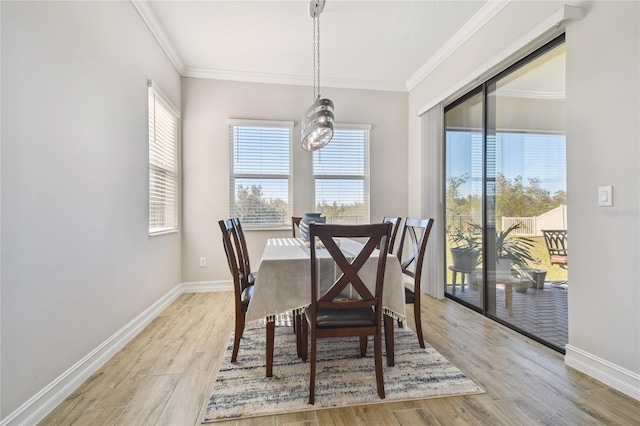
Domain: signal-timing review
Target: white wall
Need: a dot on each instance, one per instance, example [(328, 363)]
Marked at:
[(603, 101), (77, 263), (208, 104), (603, 140)]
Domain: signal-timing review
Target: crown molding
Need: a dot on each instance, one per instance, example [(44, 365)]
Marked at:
[(542, 33), (295, 80), (476, 22), (488, 11), (150, 18)]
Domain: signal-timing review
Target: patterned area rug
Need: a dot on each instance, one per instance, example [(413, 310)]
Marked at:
[(342, 379)]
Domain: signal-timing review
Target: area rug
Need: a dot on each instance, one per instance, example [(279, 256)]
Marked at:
[(241, 389)]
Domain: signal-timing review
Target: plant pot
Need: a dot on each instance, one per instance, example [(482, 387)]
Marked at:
[(520, 288), (503, 268), (306, 220), (464, 259), (537, 278), (476, 279)]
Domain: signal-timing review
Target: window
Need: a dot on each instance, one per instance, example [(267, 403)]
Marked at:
[(341, 176), (260, 172), (163, 163)]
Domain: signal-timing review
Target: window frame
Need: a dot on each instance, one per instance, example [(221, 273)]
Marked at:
[(171, 223), (233, 176), (365, 178)]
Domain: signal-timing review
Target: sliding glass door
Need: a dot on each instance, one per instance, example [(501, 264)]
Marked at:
[(464, 196), (505, 184)]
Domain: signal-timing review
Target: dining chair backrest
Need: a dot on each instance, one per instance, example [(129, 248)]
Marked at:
[(295, 224), (231, 246), (349, 272), (244, 250), (418, 231), (396, 222)]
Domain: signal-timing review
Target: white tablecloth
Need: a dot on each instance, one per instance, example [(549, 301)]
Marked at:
[(284, 278)]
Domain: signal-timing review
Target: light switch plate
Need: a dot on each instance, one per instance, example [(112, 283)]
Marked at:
[(605, 196)]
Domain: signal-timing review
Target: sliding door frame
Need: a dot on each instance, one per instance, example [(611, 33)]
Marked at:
[(488, 250)]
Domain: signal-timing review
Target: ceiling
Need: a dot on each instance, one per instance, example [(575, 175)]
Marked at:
[(381, 45)]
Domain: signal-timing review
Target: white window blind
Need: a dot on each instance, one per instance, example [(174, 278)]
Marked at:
[(260, 172), (341, 176), (163, 163)]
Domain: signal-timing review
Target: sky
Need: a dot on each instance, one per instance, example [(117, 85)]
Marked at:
[(529, 155)]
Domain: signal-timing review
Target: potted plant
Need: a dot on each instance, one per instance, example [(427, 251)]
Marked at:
[(465, 243), (513, 251)]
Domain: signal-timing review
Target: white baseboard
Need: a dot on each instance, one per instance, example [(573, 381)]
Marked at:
[(207, 286), (42, 403), (600, 369)]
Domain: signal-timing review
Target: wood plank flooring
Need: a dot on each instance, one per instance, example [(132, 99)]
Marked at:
[(163, 377)]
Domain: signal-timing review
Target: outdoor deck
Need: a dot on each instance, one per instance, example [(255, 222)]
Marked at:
[(540, 312)]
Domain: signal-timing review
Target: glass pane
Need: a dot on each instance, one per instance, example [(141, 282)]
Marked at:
[(526, 190), (463, 189), (341, 200), (262, 201)]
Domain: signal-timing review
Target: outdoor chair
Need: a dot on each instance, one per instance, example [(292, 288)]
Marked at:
[(556, 241)]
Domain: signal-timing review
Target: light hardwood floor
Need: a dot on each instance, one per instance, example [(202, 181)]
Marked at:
[(163, 377)]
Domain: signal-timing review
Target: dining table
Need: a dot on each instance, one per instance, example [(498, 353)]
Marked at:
[(283, 284)]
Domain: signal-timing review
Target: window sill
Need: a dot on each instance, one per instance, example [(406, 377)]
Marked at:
[(267, 228), (163, 232)]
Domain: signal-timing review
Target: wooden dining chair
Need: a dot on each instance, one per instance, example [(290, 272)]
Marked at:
[(295, 224), (418, 231), (396, 222), (242, 290), (244, 252), (332, 315)]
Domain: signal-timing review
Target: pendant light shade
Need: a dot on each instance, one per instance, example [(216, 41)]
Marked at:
[(317, 123)]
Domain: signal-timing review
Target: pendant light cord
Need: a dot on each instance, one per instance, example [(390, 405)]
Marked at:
[(316, 56)]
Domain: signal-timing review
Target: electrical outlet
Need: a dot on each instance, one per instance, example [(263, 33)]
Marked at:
[(203, 262)]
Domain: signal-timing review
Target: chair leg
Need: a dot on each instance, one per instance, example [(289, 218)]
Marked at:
[(237, 335), (271, 328), (418, 321), (377, 349), (363, 346), (312, 374), (302, 337), (388, 340), (297, 321)]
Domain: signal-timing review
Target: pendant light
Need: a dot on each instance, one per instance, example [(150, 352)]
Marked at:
[(317, 123)]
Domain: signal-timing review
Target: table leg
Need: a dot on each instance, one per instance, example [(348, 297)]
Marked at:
[(508, 298), (389, 340), (271, 329)]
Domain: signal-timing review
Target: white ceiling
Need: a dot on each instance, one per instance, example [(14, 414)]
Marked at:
[(383, 44)]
